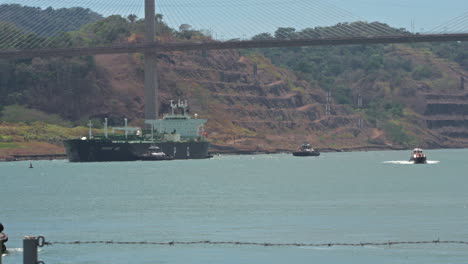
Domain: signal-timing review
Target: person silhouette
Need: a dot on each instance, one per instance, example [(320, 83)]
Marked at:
[(3, 239)]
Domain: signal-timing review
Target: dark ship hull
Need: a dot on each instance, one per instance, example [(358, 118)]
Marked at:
[(418, 160), (306, 153), (107, 150), (155, 158)]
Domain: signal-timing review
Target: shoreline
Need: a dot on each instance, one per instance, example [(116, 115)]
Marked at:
[(24, 157)]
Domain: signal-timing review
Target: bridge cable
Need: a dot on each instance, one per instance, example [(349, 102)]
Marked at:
[(123, 9), (38, 28), (13, 35), (225, 16), (441, 28), (58, 28), (63, 36), (370, 26)]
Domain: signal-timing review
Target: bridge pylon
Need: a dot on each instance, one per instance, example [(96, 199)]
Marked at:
[(151, 74)]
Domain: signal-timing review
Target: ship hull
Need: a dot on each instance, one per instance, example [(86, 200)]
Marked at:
[(105, 150), (306, 153), (419, 160)]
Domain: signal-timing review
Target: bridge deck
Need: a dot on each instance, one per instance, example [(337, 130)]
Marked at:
[(184, 46)]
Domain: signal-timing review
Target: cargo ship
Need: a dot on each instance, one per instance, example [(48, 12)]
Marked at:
[(177, 134)]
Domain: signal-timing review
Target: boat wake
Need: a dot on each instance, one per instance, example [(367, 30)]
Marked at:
[(406, 162), (12, 251)]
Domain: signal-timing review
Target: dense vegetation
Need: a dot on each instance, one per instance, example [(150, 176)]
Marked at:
[(387, 80), (454, 51), (52, 20), (65, 86)]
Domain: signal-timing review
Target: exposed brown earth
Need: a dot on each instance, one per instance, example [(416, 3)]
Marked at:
[(270, 109), (31, 149)]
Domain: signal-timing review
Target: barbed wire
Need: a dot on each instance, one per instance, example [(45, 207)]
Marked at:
[(240, 243)]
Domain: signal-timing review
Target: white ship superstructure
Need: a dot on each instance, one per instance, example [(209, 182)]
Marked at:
[(179, 124)]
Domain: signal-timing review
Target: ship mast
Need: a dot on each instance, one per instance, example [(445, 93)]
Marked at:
[(90, 131), (183, 105)]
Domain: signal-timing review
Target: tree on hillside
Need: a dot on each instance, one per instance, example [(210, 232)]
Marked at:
[(17, 37), (106, 31), (185, 27), (158, 18), (132, 18), (162, 29), (51, 21), (186, 32), (263, 36), (285, 33)]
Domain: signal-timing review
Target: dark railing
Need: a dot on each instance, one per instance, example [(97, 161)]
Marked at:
[(265, 244), (31, 244)]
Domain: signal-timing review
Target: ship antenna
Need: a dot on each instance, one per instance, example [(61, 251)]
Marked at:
[(173, 106), (105, 127), (184, 105), (126, 129), (90, 132)]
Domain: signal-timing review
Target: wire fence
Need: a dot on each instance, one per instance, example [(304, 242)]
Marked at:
[(265, 244)]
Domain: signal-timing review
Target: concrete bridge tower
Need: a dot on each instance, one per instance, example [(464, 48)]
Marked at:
[(151, 75)]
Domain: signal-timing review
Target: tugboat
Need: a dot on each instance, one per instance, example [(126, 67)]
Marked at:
[(418, 156), (154, 153), (306, 150)]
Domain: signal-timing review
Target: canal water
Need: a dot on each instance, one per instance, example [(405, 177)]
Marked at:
[(335, 198)]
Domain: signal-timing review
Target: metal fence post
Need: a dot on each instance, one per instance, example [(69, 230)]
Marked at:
[(30, 244)]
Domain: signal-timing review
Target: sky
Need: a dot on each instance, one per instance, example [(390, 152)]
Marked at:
[(227, 19), (426, 14)]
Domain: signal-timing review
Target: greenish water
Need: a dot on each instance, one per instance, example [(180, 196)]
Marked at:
[(337, 197)]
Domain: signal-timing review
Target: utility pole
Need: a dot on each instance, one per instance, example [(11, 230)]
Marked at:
[(255, 71), (328, 107), (151, 74)]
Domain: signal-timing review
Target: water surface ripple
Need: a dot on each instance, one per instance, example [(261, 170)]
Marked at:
[(334, 198)]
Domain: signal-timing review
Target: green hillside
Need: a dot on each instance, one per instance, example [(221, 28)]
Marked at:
[(262, 99)]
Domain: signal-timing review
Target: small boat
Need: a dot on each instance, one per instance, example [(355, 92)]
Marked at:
[(306, 150), (418, 156), (154, 153), (3, 240)]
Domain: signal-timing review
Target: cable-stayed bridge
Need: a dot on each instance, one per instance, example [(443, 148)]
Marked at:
[(230, 23), (233, 25)]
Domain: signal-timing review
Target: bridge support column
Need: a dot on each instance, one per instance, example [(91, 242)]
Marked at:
[(151, 76), (151, 87)]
